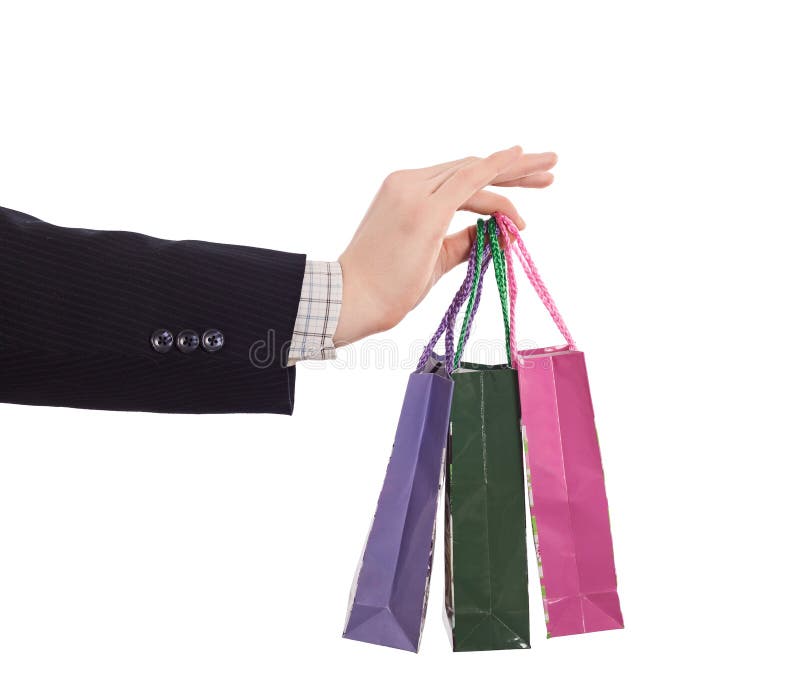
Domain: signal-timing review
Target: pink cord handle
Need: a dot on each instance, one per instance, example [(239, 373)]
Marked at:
[(512, 292), (509, 231)]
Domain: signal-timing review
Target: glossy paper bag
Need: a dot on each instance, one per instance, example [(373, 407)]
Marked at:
[(486, 556), (569, 509), (388, 602), (389, 594), (486, 573)]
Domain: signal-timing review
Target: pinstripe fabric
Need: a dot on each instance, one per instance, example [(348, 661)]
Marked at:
[(78, 307)]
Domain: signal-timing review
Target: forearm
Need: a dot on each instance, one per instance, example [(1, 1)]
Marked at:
[(79, 309)]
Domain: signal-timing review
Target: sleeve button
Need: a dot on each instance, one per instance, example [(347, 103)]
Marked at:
[(213, 340), (161, 340), (188, 341)]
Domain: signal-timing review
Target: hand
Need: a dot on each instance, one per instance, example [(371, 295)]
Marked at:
[(400, 249)]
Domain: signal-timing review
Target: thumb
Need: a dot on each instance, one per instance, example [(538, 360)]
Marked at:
[(456, 248)]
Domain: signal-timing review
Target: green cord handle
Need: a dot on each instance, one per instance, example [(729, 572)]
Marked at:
[(501, 276), (479, 238)]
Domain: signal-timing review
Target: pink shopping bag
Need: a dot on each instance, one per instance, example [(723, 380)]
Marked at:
[(569, 509)]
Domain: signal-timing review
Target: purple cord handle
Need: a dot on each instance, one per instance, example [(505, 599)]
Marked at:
[(449, 320), (449, 338)]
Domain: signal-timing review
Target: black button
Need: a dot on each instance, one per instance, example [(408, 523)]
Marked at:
[(161, 340), (213, 340), (188, 341)]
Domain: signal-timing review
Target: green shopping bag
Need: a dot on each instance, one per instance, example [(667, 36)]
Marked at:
[(486, 568)]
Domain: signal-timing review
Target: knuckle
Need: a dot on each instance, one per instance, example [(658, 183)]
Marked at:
[(399, 187), (395, 180), (403, 192)]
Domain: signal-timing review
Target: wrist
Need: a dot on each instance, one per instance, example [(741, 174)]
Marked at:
[(350, 327), (362, 313)]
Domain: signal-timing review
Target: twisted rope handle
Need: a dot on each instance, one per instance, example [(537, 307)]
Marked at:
[(510, 231), (448, 321), (512, 289), (493, 247), (501, 277), (467, 323), (471, 307)]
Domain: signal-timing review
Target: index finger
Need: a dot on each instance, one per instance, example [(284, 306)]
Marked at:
[(470, 178)]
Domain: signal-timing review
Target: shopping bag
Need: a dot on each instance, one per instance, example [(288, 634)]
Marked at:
[(486, 573), (389, 594), (569, 509)]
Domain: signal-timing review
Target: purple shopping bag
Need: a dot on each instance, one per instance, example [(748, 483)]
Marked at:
[(390, 590), (569, 509)]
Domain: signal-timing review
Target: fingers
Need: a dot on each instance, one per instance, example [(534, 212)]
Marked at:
[(473, 176), (438, 170), (485, 203), (528, 164), (446, 170), (536, 180)]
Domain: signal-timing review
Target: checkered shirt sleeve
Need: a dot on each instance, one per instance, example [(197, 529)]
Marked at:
[(317, 313)]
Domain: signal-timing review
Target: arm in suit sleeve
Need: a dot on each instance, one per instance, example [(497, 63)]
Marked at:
[(79, 309)]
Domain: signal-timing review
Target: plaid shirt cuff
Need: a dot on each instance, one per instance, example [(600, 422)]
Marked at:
[(317, 313)]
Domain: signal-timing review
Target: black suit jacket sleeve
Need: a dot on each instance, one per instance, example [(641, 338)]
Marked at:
[(78, 308)]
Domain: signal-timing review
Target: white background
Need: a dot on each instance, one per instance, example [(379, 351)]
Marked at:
[(140, 546)]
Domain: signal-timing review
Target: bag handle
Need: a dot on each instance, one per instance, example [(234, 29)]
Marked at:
[(474, 297), (470, 288), (512, 288), (515, 244), (501, 276), (470, 292), (489, 228)]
